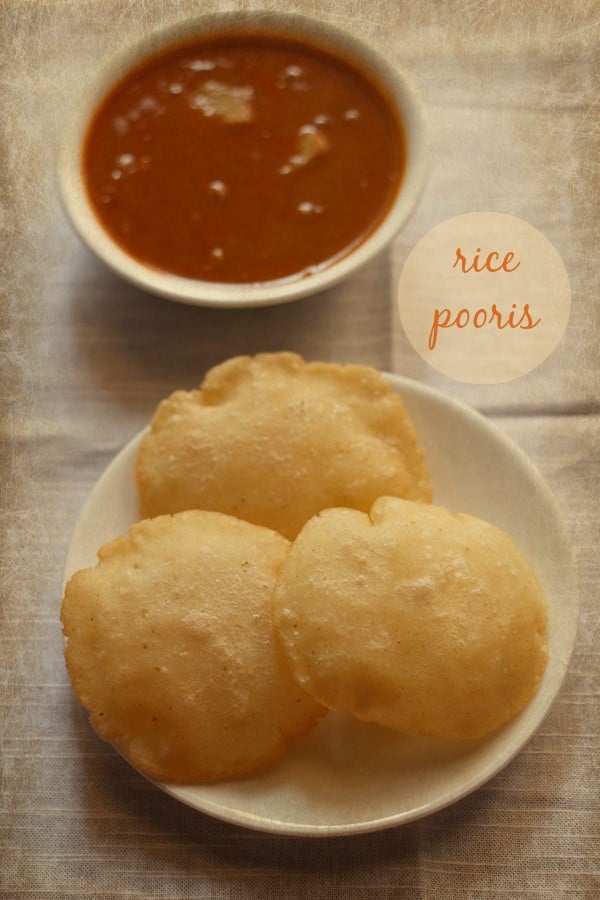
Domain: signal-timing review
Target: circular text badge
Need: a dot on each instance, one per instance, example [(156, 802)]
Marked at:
[(484, 297)]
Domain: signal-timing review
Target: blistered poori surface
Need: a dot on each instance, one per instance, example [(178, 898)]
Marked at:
[(423, 621), (274, 440), (170, 646)]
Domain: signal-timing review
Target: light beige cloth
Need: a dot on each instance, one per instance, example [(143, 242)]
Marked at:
[(511, 98)]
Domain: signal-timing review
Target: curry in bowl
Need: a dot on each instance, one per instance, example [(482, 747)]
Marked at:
[(243, 161)]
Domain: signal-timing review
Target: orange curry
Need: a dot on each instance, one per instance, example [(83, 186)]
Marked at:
[(243, 159)]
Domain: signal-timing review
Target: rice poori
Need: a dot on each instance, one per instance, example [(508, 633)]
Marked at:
[(429, 623), (170, 645), (274, 440)]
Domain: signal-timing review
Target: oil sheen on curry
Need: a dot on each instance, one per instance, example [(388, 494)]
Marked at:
[(243, 159)]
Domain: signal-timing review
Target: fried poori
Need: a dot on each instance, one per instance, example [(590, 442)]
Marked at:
[(429, 623), (274, 440), (170, 645)]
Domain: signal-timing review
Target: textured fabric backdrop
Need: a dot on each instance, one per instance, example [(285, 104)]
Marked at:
[(511, 94)]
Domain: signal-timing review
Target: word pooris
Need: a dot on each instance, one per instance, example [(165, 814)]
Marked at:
[(445, 318)]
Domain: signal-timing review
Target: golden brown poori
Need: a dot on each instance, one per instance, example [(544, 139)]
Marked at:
[(273, 440), (429, 623), (170, 645)]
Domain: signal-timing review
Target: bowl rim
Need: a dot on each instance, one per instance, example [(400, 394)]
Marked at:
[(324, 35)]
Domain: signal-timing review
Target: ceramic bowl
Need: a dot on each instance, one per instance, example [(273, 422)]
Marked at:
[(207, 293)]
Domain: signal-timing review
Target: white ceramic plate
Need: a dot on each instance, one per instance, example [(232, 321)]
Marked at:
[(346, 776)]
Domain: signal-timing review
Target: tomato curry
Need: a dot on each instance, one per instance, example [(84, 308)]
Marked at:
[(243, 159)]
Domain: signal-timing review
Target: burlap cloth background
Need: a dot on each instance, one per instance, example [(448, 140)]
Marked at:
[(511, 93)]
